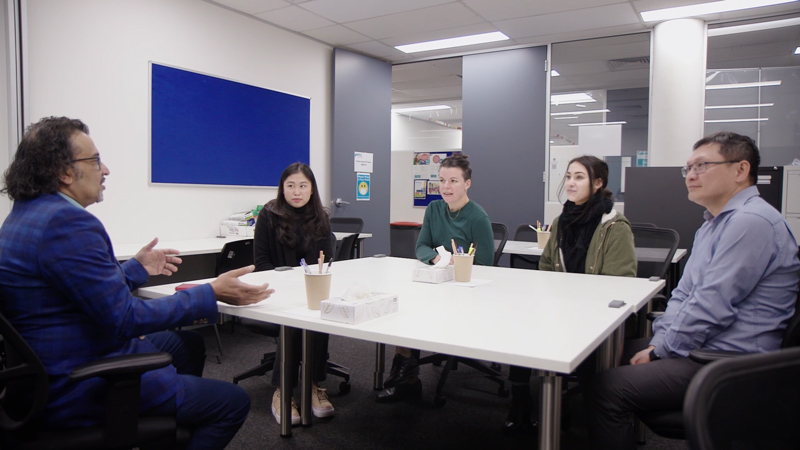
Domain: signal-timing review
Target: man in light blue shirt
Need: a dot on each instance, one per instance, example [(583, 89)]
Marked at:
[(738, 292)]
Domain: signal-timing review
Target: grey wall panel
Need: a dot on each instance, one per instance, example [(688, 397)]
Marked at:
[(362, 103), (505, 101), (658, 195)]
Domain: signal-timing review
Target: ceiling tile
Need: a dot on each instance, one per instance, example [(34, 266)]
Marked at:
[(377, 49), (342, 11), (253, 6), (294, 18), (565, 22), (410, 38), (337, 35), (451, 15), (494, 10)]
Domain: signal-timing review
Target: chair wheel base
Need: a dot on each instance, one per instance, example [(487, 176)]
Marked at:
[(439, 401), (344, 387)]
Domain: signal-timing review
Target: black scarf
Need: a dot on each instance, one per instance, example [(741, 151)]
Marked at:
[(576, 228)]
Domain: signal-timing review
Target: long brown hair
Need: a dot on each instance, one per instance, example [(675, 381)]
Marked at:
[(315, 223)]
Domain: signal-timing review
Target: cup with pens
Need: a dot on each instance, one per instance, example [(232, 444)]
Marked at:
[(318, 282), (542, 234), (463, 262)]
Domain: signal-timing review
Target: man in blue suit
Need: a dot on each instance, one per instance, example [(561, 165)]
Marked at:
[(63, 289)]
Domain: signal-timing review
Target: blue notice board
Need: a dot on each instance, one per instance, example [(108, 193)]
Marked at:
[(211, 131)]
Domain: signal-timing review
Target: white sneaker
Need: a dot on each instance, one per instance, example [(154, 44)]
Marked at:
[(276, 408), (320, 405)]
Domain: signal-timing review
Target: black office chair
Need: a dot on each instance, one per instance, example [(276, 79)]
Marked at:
[(671, 424), (403, 239), (346, 248), (643, 224), (234, 255), (751, 402), (492, 371), (346, 225), (500, 232), (655, 248), (25, 383), (524, 233), (274, 331)]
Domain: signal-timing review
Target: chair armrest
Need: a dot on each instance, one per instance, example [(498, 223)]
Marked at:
[(133, 365), (653, 315), (704, 356)]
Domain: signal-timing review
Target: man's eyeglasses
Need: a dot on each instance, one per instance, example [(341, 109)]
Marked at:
[(99, 164), (701, 167)]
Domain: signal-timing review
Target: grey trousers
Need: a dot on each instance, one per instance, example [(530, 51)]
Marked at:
[(617, 394)]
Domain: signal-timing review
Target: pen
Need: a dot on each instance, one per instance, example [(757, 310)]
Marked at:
[(532, 227), (305, 266), (329, 266), (453, 244), (471, 248), (460, 250), (321, 260), (539, 225)]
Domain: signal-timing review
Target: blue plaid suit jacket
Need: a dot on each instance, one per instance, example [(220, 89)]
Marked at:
[(63, 289)]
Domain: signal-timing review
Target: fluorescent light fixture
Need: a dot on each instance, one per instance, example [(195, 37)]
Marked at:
[(707, 8), (580, 106), (736, 29), (761, 119), (621, 122), (576, 97), (571, 113), (754, 105), (421, 108), (554, 73), (565, 117), (453, 42), (797, 51), (712, 87)]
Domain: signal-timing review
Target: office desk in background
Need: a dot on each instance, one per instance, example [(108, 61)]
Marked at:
[(673, 274), (545, 320), (200, 255)]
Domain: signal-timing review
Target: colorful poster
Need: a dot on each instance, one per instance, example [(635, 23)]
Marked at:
[(420, 188), (362, 187), (433, 187)]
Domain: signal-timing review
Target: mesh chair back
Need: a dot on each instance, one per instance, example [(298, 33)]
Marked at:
[(235, 255), (524, 233), (403, 240), (347, 224), (752, 402), (655, 248), (500, 232), (22, 378), (346, 248)]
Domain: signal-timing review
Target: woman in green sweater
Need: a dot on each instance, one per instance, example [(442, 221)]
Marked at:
[(454, 217), (588, 237)]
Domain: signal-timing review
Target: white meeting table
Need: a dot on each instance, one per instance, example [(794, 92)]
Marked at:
[(544, 320)]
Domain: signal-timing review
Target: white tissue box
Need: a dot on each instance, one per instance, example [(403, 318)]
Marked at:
[(434, 274), (356, 311), (233, 228)]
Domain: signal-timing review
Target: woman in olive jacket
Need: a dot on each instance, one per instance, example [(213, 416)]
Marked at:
[(588, 237)]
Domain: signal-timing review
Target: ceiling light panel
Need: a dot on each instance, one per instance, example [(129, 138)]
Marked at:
[(453, 42), (707, 8)]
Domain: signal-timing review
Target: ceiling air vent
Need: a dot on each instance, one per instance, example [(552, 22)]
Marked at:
[(640, 62)]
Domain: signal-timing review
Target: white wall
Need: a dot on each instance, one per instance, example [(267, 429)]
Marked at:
[(88, 59), (409, 136)]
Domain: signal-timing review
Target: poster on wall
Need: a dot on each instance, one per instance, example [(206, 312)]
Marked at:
[(420, 189), (362, 187), (426, 176)]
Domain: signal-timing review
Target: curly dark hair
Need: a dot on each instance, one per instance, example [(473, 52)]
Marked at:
[(43, 155), (315, 222)]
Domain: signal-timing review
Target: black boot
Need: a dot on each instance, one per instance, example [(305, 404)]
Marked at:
[(402, 369), (519, 416), (408, 390)]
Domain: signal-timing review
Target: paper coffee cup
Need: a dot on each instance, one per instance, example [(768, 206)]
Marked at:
[(318, 288), (463, 267), (541, 238)]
